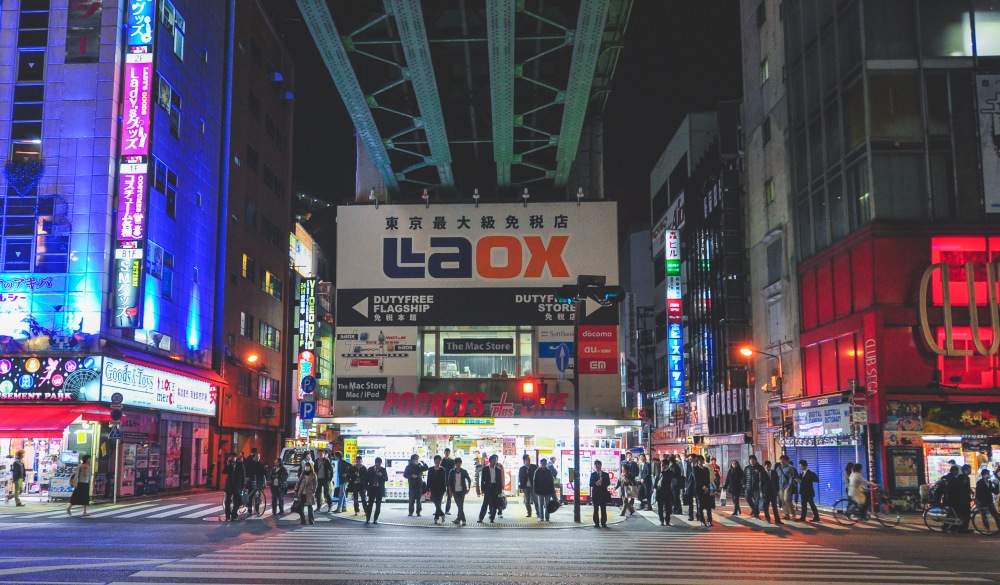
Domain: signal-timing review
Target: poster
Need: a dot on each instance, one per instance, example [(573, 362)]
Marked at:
[(906, 468), (903, 425)]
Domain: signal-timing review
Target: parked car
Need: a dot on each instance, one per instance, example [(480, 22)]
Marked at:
[(291, 457)]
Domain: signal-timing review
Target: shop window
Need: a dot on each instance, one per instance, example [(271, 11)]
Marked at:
[(525, 353), (895, 106), (268, 336), (249, 268), (956, 251), (477, 353)]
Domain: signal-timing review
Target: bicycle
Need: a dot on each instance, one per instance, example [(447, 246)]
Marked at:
[(254, 501), (981, 521), (847, 513)]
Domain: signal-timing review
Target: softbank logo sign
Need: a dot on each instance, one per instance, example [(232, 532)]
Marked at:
[(489, 257)]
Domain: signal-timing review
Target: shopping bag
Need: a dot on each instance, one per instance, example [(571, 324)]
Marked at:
[(552, 506), (296, 506), (722, 499)]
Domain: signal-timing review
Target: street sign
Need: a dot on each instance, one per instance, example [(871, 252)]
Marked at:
[(860, 415), (115, 434), (117, 398), (308, 384), (562, 357), (116, 414), (307, 409), (643, 413)]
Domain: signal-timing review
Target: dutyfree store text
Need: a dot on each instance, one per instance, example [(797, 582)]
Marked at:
[(441, 309)]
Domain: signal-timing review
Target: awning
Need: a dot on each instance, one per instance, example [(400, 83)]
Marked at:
[(95, 412), (46, 421), (177, 367)]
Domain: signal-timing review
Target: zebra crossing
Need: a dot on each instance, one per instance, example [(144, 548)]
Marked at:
[(334, 554), (207, 510), (725, 520)]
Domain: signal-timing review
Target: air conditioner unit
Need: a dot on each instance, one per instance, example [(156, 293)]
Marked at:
[(268, 411)]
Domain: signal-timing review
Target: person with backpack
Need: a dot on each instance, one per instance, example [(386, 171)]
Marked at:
[(545, 489)]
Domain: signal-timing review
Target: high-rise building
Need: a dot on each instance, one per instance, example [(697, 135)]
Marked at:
[(111, 133), (892, 184), (257, 285)]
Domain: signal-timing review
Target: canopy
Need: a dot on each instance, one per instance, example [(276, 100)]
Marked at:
[(44, 421)]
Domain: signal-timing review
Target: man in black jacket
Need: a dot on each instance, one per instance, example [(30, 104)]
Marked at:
[(690, 485), (375, 484), (324, 474), (437, 483), (491, 485), (807, 490), (751, 485), (359, 483), (525, 482), (236, 479), (414, 474), (600, 496), (676, 484), (256, 477), (664, 490), (448, 463), (544, 488), (769, 493), (645, 480), (459, 484)]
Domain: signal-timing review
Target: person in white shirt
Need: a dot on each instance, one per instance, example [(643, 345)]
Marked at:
[(459, 484)]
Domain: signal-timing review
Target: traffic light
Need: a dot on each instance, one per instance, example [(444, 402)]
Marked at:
[(530, 390)]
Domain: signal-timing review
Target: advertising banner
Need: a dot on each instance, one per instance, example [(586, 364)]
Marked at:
[(989, 135), (153, 388), (824, 421), (50, 379), (489, 246), (904, 426)]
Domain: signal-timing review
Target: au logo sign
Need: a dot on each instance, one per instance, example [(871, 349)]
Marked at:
[(949, 349)]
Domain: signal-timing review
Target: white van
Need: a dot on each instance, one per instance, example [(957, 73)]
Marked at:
[(291, 457)]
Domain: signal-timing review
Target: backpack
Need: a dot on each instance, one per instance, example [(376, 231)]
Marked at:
[(939, 490)]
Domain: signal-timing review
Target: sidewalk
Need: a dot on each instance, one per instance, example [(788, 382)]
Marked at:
[(515, 516), (34, 503)]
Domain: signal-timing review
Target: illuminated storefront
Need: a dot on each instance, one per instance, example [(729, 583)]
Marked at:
[(449, 306)]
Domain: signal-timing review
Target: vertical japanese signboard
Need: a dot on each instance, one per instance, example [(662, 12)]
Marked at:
[(306, 319), (133, 166), (675, 318)]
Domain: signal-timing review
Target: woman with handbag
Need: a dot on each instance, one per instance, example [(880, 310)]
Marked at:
[(306, 493), (80, 480)]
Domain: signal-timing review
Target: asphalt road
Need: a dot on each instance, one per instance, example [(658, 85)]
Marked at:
[(177, 540)]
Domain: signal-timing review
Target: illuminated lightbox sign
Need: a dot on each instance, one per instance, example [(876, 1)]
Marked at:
[(675, 318), (140, 23), (50, 379), (138, 103), (153, 388)]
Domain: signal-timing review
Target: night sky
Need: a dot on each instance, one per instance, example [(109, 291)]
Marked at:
[(680, 56)]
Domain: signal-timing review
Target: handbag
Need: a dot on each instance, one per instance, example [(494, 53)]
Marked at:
[(503, 502), (296, 506), (73, 479), (245, 497), (552, 506)]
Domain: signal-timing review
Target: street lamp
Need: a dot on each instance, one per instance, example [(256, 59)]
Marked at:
[(748, 352)]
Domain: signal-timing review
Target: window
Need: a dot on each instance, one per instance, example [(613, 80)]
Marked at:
[(251, 213), (764, 72), (273, 234), (253, 159), (245, 382), (165, 181), (270, 284), (461, 352), (768, 191), (268, 336), (256, 55), (175, 25), (273, 183), (274, 133), (774, 261), (253, 104), (170, 101), (30, 66), (33, 29), (267, 388), (761, 13), (246, 325), (765, 130), (167, 284), (249, 268)]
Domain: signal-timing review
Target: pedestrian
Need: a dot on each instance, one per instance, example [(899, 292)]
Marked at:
[(437, 483), (676, 483), (626, 487), (734, 485), (375, 484), (960, 496), (278, 483), (17, 476), (857, 487), (664, 491), (80, 482), (807, 480), (236, 478), (256, 478), (306, 493), (752, 478), (481, 462), (545, 489), (631, 465), (324, 476), (553, 468), (847, 478), (491, 485), (341, 474), (986, 491), (690, 485), (448, 463), (787, 477), (358, 484), (704, 491), (645, 483), (525, 482), (769, 493), (459, 484), (599, 495), (414, 474)]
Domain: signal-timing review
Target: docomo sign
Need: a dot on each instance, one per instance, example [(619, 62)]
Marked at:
[(949, 349), (496, 257), (598, 349)]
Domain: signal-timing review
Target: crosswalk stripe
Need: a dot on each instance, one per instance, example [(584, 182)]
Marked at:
[(216, 510), (121, 510), (189, 508), (164, 511)]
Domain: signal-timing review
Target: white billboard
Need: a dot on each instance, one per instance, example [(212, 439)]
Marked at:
[(153, 388), (989, 136), (489, 246)]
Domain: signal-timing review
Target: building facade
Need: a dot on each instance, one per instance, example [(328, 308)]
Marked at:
[(111, 130), (258, 289)]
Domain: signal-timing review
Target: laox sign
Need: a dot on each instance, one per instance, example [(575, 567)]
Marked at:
[(456, 259), (949, 339)]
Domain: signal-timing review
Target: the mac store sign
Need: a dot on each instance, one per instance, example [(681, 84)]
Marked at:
[(153, 388)]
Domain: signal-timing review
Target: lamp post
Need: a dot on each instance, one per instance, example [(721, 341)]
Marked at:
[(748, 352)]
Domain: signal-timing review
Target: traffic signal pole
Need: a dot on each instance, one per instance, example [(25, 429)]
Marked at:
[(577, 307)]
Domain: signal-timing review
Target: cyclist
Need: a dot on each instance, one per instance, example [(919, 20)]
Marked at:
[(959, 496), (256, 480), (857, 487), (235, 478), (986, 491)]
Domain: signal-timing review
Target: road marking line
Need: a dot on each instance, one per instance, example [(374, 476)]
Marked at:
[(216, 511), (146, 508)]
